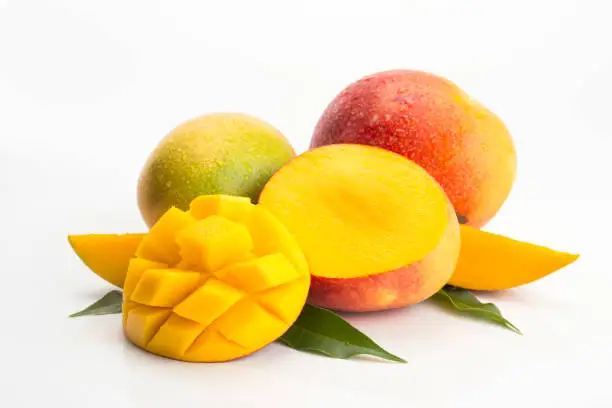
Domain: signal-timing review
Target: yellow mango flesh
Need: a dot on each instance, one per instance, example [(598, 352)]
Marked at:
[(231, 207), (358, 211), (212, 291), (164, 287), (107, 255), (213, 242), (160, 243), (493, 262)]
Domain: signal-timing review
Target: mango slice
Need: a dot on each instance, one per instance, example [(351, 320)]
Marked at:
[(107, 255), (204, 288), (493, 262)]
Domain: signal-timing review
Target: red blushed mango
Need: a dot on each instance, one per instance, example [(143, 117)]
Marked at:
[(431, 121), (378, 232)]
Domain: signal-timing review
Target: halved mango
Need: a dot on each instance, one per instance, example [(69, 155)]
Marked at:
[(233, 303), (377, 230)]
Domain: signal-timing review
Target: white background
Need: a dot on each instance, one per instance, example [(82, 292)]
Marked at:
[(87, 89)]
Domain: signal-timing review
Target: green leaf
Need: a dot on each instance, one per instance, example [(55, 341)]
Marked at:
[(323, 332), (466, 303), (108, 304)]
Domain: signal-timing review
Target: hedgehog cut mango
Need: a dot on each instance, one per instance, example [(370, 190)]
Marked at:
[(215, 283)]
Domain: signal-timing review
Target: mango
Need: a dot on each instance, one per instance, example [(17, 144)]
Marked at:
[(224, 153), (430, 120), (377, 230), (214, 283)]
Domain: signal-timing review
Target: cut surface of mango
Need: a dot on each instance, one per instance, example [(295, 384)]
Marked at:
[(493, 262), (204, 287)]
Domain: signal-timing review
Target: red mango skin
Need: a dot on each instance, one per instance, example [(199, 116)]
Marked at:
[(429, 120)]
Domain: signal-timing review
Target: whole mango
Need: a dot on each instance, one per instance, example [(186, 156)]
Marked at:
[(220, 153), (431, 121)]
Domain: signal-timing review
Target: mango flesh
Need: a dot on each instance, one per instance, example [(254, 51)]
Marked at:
[(377, 230), (430, 120), (225, 153), (493, 262), (203, 288)]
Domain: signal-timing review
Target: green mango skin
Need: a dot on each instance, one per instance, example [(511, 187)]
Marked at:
[(220, 153)]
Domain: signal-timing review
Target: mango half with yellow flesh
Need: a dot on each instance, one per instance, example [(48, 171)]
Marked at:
[(378, 231), (215, 283), (222, 153)]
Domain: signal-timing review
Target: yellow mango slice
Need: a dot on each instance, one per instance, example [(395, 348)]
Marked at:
[(159, 244), (493, 262), (107, 255), (213, 243), (231, 207), (243, 294), (164, 287)]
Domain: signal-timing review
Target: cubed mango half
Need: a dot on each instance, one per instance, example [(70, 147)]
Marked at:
[(215, 283)]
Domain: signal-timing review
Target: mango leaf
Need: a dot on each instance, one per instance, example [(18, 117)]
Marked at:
[(323, 332), (464, 302), (108, 304)]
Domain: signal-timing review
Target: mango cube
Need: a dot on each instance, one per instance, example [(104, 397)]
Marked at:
[(175, 336), (209, 302), (143, 322), (136, 268), (214, 242), (231, 207), (159, 244), (164, 287), (260, 273)]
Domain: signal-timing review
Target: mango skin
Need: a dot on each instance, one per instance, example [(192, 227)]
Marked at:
[(220, 153), (431, 121)]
